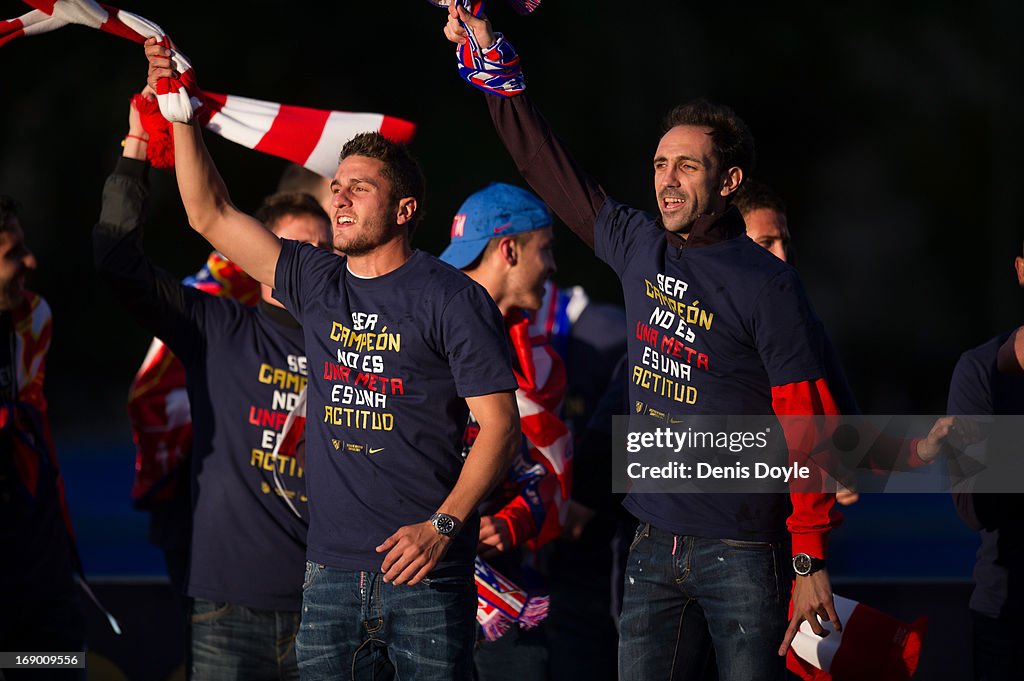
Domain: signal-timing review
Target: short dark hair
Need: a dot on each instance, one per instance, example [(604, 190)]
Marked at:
[(8, 210), (399, 166), (733, 143), (282, 204), (753, 195)]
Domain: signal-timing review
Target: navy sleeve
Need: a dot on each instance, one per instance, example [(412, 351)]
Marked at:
[(546, 164), (784, 329), (476, 344), (618, 231), (301, 274), (970, 389)]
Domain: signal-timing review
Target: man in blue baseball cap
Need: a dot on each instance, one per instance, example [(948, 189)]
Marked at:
[(501, 238)]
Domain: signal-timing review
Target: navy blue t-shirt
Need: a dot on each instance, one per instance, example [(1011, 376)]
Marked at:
[(245, 368), (978, 389), (710, 330), (392, 360)]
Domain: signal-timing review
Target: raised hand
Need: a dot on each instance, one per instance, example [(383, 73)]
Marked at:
[(137, 139), (172, 77), (459, 19), (160, 64)]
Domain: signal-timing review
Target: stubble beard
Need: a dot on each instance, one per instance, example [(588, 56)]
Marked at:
[(678, 223), (372, 237)]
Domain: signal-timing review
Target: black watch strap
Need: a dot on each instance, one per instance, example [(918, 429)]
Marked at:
[(804, 564)]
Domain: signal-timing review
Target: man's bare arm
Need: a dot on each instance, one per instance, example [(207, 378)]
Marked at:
[(414, 550), (239, 237)]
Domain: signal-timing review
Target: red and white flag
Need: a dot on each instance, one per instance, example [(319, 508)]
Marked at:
[(310, 137), (872, 646)]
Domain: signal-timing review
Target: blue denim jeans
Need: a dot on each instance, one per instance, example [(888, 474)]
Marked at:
[(684, 594), (356, 626), (233, 642)]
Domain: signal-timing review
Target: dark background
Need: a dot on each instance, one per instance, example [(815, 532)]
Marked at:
[(891, 130)]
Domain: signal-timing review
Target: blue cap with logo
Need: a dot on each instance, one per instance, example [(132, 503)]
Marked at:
[(496, 210)]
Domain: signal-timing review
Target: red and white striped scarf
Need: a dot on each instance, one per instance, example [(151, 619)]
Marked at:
[(542, 384), (309, 137)]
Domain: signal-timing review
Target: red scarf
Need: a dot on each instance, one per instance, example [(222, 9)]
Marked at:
[(542, 384), (309, 137)]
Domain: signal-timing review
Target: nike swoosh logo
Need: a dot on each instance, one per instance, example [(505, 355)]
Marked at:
[(374, 451), (499, 230)]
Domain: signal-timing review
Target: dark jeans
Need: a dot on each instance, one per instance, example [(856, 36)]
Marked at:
[(683, 594), (353, 624), (233, 642)]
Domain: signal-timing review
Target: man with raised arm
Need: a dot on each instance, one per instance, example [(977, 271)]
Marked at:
[(717, 326), (245, 366), (400, 346)]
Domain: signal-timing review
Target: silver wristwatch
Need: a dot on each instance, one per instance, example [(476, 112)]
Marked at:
[(445, 524)]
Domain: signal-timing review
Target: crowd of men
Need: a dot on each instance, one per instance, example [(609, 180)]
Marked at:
[(443, 397)]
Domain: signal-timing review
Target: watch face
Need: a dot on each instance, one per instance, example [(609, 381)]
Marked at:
[(801, 564), (444, 524)]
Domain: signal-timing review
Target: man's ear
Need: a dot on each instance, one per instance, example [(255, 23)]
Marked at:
[(509, 250), (1018, 264), (731, 180), (406, 210)]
